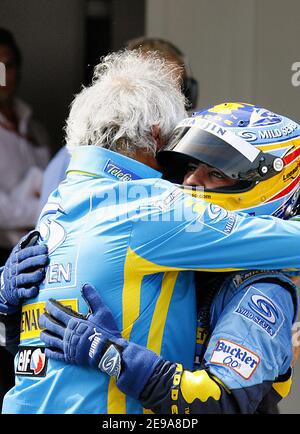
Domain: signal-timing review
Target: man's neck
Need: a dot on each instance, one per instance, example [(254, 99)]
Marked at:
[(147, 159)]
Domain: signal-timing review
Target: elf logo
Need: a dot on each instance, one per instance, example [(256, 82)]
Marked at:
[(31, 361)]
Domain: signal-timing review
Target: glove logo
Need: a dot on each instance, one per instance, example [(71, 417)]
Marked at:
[(95, 339), (110, 363)]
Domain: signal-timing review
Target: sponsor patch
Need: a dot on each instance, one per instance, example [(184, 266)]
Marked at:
[(224, 219), (31, 361), (236, 357), (31, 314), (292, 174), (260, 309), (119, 172)]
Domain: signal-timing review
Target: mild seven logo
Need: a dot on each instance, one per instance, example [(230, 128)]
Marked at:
[(258, 308), (119, 172)]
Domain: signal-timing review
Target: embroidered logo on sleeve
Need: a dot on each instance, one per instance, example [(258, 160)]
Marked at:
[(236, 357), (221, 219), (260, 309)]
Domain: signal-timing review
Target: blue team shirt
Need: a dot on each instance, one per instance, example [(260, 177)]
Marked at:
[(115, 224)]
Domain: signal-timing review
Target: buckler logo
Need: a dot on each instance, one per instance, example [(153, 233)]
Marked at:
[(237, 353), (236, 357)]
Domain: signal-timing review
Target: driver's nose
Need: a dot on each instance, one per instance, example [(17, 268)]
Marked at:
[(196, 177)]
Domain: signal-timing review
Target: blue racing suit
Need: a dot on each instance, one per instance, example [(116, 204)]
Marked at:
[(243, 351), (115, 224)]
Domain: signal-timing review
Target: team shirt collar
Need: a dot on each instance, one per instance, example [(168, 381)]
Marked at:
[(100, 162)]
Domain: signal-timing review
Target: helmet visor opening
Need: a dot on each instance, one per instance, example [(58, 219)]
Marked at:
[(234, 156)]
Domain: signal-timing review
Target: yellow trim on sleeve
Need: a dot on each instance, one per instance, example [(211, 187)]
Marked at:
[(148, 411), (198, 385), (283, 388)]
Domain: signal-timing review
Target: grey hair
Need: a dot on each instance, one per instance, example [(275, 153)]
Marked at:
[(130, 94)]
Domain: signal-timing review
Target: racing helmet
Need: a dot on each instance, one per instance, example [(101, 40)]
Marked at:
[(255, 147)]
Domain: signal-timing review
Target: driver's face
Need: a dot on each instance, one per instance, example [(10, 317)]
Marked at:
[(207, 177)]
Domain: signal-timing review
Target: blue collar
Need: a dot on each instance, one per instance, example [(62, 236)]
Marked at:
[(100, 162)]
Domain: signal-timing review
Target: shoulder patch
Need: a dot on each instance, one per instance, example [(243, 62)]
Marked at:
[(256, 307)]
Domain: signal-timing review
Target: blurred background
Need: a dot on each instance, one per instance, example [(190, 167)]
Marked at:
[(237, 50)]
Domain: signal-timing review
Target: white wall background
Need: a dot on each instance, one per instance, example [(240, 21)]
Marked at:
[(239, 50)]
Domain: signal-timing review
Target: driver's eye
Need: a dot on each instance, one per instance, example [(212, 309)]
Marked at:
[(216, 174), (192, 167)]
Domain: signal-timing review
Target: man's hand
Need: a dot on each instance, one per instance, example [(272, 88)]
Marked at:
[(79, 339), (23, 272), (95, 341)]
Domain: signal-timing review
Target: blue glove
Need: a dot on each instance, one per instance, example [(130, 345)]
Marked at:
[(95, 341), (23, 272)]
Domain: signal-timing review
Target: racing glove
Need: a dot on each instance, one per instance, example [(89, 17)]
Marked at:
[(23, 272), (94, 340)]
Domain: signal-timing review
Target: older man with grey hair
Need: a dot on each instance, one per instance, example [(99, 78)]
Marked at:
[(137, 238)]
